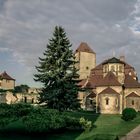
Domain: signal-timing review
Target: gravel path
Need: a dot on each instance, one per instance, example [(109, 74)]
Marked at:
[(133, 135)]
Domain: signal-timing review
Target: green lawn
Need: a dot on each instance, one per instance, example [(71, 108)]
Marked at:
[(106, 127)]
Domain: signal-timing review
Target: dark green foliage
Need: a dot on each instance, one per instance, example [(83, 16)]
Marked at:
[(9, 113), (21, 89), (129, 114), (117, 138), (49, 120), (72, 122), (58, 74)]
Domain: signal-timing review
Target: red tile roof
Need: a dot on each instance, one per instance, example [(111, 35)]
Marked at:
[(83, 47), (110, 80), (108, 91), (130, 82), (82, 82), (91, 95), (4, 75), (95, 80), (133, 94), (127, 66)]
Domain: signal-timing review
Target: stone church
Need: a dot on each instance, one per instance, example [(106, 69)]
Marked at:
[(110, 86)]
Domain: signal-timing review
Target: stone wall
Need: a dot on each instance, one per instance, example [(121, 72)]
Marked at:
[(112, 106), (133, 102), (87, 61), (7, 84)]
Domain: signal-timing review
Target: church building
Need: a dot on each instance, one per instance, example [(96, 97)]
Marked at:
[(110, 86)]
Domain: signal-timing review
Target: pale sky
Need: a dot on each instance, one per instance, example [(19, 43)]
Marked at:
[(106, 25)]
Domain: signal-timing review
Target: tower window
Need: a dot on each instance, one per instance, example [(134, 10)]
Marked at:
[(87, 68), (107, 101), (132, 102), (112, 68)]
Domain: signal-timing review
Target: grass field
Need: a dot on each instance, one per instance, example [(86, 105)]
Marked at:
[(106, 127)]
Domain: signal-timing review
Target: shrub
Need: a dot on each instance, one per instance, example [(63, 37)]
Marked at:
[(128, 114), (86, 125), (72, 122), (44, 120)]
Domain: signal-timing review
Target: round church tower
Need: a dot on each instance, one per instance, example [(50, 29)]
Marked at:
[(86, 58)]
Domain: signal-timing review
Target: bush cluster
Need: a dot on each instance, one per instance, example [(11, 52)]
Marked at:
[(39, 119), (86, 125), (129, 114), (13, 112)]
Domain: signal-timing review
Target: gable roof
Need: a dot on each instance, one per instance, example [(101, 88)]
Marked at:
[(4, 75), (110, 80), (83, 47), (130, 82), (108, 91), (95, 80), (91, 95), (113, 60), (133, 94)]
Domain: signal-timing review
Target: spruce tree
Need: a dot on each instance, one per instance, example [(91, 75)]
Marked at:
[(58, 74)]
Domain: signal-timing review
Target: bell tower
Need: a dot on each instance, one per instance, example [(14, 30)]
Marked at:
[(86, 58)]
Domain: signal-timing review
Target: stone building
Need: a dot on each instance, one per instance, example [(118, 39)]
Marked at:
[(7, 85), (6, 81), (111, 86)]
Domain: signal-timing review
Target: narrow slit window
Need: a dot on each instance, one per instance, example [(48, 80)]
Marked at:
[(107, 101), (132, 102)]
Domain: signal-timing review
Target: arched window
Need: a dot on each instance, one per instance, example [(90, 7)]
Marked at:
[(132, 102), (107, 101), (112, 68)]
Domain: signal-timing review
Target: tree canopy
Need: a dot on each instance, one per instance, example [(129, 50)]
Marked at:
[(58, 74)]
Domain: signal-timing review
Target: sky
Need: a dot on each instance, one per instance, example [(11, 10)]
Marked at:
[(110, 27)]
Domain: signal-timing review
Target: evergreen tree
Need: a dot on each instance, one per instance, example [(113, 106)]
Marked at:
[(58, 74)]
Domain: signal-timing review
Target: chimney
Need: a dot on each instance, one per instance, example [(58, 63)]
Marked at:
[(122, 58)]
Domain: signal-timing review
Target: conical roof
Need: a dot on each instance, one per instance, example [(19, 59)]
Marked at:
[(4, 75), (83, 47)]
